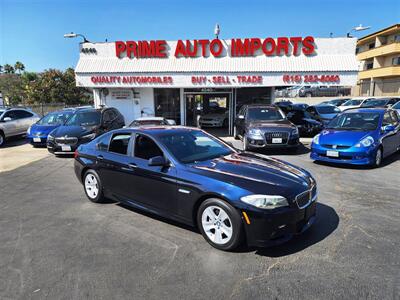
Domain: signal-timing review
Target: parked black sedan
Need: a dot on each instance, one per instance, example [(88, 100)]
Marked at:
[(82, 127), (188, 175), (265, 126)]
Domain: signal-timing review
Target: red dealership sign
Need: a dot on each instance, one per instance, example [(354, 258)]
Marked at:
[(239, 47)]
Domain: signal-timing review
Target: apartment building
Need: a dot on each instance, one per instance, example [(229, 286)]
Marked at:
[(379, 54)]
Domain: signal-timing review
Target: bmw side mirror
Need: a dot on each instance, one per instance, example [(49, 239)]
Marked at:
[(158, 161), (388, 128)]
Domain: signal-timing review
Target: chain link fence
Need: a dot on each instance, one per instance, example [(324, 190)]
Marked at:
[(45, 108)]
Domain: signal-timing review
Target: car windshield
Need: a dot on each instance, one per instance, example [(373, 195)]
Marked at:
[(396, 106), (352, 102), (365, 121), (193, 146), (147, 123), (264, 114), (86, 118), (374, 103), (57, 118), (329, 109)]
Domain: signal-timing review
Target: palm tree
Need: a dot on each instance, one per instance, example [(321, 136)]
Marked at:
[(8, 69), (19, 67)]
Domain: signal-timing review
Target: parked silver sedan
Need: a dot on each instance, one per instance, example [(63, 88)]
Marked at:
[(15, 122)]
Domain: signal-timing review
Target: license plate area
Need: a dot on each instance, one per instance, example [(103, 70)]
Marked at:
[(331, 153), (37, 140), (66, 148), (276, 140)]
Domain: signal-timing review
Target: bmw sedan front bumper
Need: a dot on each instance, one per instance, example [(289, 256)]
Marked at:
[(274, 228)]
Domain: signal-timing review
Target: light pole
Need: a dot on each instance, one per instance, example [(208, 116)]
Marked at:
[(216, 30), (357, 28), (74, 35)]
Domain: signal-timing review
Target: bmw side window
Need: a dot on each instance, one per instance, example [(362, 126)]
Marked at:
[(120, 143), (25, 114), (103, 143), (146, 148)]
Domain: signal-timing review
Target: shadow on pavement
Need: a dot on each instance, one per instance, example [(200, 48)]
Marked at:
[(15, 141), (327, 221), (302, 149)]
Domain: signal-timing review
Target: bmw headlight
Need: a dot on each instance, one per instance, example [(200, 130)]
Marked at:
[(90, 136), (316, 139), (254, 132), (50, 137), (265, 201), (365, 142)]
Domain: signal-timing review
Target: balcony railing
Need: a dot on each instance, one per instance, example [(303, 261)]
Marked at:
[(379, 51), (379, 72)]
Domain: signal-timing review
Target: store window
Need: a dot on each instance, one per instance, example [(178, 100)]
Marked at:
[(167, 104), (261, 95)]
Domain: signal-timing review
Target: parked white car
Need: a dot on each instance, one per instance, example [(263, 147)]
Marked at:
[(353, 103), (15, 122), (214, 120)]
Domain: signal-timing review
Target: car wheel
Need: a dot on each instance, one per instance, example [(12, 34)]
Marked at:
[(378, 158), (93, 186), (2, 139), (235, 134), (220, 224)]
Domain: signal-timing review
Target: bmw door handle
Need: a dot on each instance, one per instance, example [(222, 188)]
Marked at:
[(132, 165), (100, 157)]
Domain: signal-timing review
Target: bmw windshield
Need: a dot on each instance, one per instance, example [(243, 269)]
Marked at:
[(264, 114), (365, 121), (57, 118), (194, 146), (84, 118)]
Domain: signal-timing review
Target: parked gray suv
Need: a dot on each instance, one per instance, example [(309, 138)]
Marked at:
[(15, 122)]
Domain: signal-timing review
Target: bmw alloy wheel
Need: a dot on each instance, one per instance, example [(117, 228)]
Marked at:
[(217, 225), (1, 139), (91, 186)]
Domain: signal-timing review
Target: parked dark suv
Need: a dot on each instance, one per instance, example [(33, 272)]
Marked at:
[(265, 126), (82, 127)]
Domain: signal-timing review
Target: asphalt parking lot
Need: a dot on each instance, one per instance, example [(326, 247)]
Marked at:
[(55, 244)]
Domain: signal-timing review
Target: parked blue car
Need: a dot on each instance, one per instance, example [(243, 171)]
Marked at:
[(362, 136), (38, 132)]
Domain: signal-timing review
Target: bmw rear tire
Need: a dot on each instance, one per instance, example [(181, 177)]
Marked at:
[(93, 187), (220, 224)]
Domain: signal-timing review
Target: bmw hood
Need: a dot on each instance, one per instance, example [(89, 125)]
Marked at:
[(73, 131), (342, 137), (259, 174)]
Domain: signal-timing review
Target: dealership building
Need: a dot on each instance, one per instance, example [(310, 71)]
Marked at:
[(183, 79)]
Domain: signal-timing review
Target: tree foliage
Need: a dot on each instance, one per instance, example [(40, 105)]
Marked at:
[(50, 86)]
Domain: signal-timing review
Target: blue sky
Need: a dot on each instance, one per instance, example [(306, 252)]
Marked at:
[(32, 31)]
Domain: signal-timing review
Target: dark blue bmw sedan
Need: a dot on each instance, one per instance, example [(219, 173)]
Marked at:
[(193, 177)]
